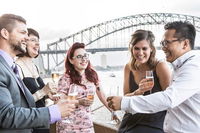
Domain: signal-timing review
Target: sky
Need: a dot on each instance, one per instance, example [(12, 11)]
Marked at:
[(55, 19)]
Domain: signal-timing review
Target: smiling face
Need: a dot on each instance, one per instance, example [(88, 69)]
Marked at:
[(174, 48), (33, 46), (18, 38), (80, 60), (141, 51)]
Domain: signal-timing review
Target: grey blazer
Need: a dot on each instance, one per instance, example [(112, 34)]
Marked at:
[(17, 108)]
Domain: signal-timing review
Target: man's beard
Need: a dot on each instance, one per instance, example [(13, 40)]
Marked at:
[(18, 47)]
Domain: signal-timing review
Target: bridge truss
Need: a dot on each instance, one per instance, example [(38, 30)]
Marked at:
[(113, 35)]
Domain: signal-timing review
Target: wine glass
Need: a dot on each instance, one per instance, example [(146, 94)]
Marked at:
[(90, 93), (55, 78), (72, 95), (149, 76), (73, 92), (114, 91)]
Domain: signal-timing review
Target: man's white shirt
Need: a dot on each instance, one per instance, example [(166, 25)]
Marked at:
[(181, 99)]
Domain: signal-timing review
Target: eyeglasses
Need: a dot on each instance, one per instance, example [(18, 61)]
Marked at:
[(33, 40), (166, 42), (79, 57)]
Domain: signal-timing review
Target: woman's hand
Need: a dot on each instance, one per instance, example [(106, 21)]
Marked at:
[(130, 94), (85, 102), (145, 85)]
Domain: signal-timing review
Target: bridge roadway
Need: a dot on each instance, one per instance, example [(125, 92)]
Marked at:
[(94, 50)]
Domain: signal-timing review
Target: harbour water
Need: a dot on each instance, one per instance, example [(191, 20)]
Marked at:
[(112, 82)]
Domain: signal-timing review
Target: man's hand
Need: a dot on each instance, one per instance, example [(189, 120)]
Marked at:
[(66, 106), (114, 102)]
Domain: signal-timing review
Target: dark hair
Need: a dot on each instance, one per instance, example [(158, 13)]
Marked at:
[(8, 21), (184, 30), (90, 73), (33, 32), (140, 35), (30, 32)]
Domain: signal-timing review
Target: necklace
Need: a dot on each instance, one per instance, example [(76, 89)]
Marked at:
[(34, 73)]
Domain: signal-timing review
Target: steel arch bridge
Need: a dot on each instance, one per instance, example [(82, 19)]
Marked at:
[(112, 35)]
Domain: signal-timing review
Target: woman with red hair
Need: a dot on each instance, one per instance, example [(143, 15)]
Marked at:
[(79, 72)]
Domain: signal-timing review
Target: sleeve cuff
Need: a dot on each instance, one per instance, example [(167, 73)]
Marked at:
[(125, 103), (55, 114)]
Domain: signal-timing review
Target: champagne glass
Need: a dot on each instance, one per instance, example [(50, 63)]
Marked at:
[(73, 92), (90, 93), (149, 76), (114, 91), (55, 78), (72, 95)]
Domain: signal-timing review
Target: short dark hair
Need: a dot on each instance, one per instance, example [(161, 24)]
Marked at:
[(33, 32), (8, 21), (184, 30)]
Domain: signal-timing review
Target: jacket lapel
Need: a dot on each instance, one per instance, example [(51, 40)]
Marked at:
[(25, 91)]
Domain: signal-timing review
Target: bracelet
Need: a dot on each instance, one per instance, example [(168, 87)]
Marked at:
[(39, 95)]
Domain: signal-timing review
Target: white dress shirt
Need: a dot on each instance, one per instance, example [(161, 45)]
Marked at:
[(181, 99)]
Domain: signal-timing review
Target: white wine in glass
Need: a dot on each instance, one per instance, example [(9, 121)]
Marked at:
[(150, 77), (72, 95), (55, 77), (90, 93), (73, 92), (90, 96)]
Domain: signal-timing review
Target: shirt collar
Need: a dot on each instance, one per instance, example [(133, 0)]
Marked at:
[(182, 59), (7, 58)]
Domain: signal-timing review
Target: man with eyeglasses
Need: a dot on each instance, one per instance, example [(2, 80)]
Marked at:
[(182, 98)]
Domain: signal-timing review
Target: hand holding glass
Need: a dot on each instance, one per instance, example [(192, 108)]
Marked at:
[(114, 118), (73, 92), (90, 94), (72, 95)]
